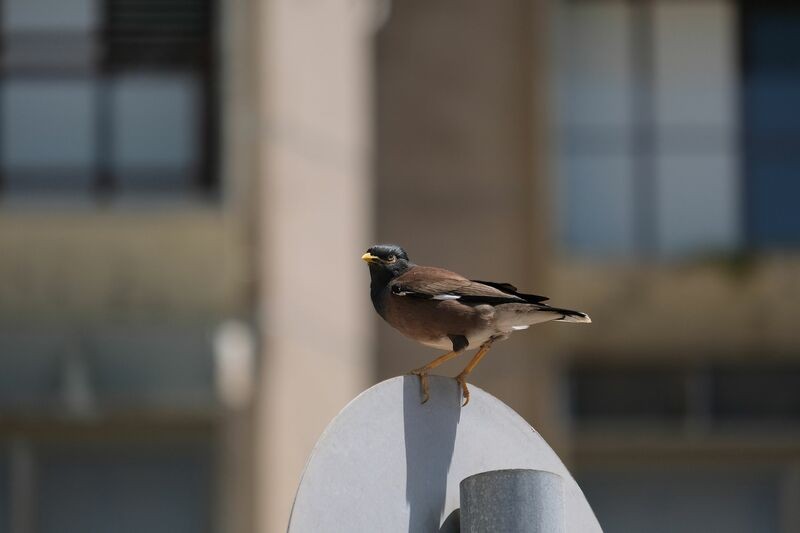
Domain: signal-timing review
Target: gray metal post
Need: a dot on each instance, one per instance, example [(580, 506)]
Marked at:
[(513, 501)]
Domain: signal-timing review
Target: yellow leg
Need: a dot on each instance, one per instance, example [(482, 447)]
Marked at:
[(462, 377), (422, 372)]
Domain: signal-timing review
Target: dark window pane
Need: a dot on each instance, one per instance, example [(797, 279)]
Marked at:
[(757, 392), (168, 371), (125, 491), (128, 371), (5, 490), (144, 32), (771, 91), (628, 393), (111, 94), (689, 500), (29, 371)]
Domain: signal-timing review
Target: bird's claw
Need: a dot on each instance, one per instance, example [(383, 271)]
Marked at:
[(423, 383), (462, 381)]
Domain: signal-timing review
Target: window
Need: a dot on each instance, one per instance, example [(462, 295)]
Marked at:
[(639, 394), (5, 490), (117, 372), (764, 394), (648, 125), (687, 498), (157, 481), (106, 95), (709, 446), (771, 73), (159, 488)]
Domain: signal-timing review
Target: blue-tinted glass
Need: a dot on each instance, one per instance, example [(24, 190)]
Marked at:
[(93, 95), (774, 201), (772, 125), (771, 38), (696, 204), (597, 205), (768, 97), (52, 15), (156, 122), (48, 134), (125, 491)]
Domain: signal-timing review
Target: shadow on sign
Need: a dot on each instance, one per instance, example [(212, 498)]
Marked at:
[(430, 435)]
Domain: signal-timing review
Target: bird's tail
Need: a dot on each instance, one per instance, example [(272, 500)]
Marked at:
[(568, 315)]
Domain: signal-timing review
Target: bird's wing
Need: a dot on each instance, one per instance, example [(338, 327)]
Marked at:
[(510, 289), (439, 284)]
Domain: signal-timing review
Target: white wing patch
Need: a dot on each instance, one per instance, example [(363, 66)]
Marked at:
[(519, 328), (446, 297)]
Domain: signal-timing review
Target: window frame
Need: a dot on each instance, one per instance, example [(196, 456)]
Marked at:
[(102, 70)]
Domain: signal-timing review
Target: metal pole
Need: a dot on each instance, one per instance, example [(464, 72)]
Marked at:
[(513, 501)]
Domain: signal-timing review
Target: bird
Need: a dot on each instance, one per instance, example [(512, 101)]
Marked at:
[(445, 310)]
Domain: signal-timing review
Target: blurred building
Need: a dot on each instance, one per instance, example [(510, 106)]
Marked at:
[(183, 192), (186, 187), (678, 163), (636, 160)]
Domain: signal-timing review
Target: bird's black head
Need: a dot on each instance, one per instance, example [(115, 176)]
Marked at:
[(386, 261)]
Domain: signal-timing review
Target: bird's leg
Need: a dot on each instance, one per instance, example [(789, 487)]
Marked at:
[(462, 377), (422, 371)]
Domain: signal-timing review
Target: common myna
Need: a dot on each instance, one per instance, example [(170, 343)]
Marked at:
[(445, 310)]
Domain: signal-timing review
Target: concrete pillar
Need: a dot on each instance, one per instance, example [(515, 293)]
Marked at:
[(313, 125)]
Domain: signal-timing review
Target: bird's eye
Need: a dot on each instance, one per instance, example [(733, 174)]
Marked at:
[(391, 259)]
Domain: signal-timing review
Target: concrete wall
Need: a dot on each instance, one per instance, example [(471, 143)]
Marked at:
[(90, 265), (714, 309)]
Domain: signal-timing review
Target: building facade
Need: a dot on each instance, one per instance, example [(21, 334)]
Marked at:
[(185, 191), (177, 179), (634, 160)]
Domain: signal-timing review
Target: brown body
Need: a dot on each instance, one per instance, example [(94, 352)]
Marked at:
[(433, 322), (413, 319)]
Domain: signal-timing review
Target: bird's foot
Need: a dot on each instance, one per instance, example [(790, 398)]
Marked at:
[(423, 382), (462, 381)]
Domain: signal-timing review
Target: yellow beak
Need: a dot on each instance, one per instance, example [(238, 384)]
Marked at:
[(369, 258)]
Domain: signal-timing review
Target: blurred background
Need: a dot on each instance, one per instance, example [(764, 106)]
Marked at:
[(186, 187)]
